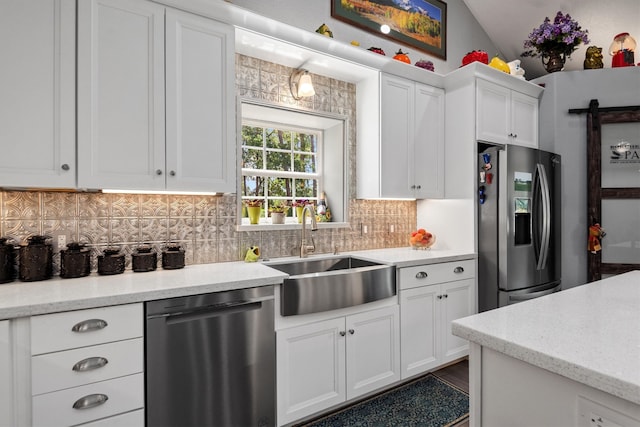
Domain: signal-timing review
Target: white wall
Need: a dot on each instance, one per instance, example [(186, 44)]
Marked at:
[(566, 134), (464, 33)]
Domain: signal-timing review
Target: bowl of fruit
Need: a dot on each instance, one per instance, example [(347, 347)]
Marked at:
[(422, 239)]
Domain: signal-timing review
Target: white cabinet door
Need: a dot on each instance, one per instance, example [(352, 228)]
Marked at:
[(458, 301), (6, 373), (493, 113), (200, 103), (310, 368), (505, 116), (524, 119), (37, 83), (397, 133), (428, 146), (419, 334), (121, 134), (373, 350)]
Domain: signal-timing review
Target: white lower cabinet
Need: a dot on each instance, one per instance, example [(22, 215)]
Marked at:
[(325, 363), (6, 373), (88, 366), (431, 297)]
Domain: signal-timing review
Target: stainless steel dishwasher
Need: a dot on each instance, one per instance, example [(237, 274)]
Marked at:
[(210, 359)]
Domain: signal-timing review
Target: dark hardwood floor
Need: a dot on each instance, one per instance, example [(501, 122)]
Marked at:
[(457, 375)]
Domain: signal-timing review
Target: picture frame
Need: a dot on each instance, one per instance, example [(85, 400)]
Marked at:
[(420, 24)]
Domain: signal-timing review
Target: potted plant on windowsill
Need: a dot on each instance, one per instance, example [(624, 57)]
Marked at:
[(254, 208), (299, 205), (278, 212)]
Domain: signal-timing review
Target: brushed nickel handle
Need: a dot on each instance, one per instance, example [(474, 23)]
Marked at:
[(158, 172), (342, 333), (351, 331), (421, 275), (458, 270), (90, 325), (90, 364), (90, 401), (65, 167)]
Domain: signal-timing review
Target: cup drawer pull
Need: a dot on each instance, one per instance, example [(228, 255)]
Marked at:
[(421, 275), (89, 325), (90, 401), (89, 364), (458, 270)]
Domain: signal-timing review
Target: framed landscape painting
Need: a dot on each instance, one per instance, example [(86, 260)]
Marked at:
[(421, 24)]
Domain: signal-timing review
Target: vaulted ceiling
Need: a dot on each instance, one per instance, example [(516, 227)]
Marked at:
[(509, 22)]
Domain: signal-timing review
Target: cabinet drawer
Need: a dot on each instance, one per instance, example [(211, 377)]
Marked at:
[(422, 275), (56, 409), (55, 371), (55, 332), (130, 419)]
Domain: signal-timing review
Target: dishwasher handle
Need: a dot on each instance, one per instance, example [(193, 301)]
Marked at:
[(216, 310)]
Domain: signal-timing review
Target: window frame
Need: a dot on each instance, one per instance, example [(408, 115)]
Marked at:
[(331, 126)]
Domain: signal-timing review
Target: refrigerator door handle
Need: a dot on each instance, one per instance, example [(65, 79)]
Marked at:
[(532, 295), (545, 199)]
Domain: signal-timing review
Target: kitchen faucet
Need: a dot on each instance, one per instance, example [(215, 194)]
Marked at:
[(304, 248)]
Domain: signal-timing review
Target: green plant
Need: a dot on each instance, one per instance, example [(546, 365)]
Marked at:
[(253, 202), (279, 207)]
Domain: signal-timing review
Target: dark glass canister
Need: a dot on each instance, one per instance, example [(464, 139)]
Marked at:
[(75, 261), (36, 259), (172, 257), (144, 258), (111, 261), (7, 260)]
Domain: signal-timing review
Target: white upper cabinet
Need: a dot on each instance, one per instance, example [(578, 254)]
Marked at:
[(407, 161), (505, 116), (37, 83), (133, 70)]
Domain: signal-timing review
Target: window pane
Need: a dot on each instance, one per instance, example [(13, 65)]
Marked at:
[(305, 142), (306, 188), (278, 139), (252, 136), (253, 186), (278, 160), (282, 187), (621, 221), (305, 163), (252, 159)]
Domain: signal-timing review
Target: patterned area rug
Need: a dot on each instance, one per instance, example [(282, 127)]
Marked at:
[(425, 402)]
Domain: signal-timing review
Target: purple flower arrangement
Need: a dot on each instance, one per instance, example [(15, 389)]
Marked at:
[(563, 35)]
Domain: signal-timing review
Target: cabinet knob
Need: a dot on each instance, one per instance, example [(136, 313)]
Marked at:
[(342, 333), (65, 167), (439, 296), (158, 172), (413, 187), (90, 364), (421, 275), (515, 135), (89, 325), (445, 296), (172, 173), (351, 331), (458, 270), (418, 187), (90, 400)]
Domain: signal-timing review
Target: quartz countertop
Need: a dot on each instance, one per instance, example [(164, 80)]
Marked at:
[(590, 333), (20, 299)]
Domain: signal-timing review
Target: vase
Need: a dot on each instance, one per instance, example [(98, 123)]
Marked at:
[(277, 217), (254, 214), (553, 61)]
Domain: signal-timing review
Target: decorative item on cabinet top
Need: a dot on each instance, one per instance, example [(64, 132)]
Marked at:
[(554, 41)]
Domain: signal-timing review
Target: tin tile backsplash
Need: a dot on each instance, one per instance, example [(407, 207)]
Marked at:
[(205, 226)]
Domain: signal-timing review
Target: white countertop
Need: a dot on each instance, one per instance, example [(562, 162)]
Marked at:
[(19, 299), (590, 334)]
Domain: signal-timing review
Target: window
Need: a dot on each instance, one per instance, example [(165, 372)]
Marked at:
[(280, 164), (283, 158)]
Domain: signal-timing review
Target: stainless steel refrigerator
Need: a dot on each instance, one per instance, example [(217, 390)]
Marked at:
[(518, 225)]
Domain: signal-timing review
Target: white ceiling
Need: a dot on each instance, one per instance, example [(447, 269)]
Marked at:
[(509, 22)]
